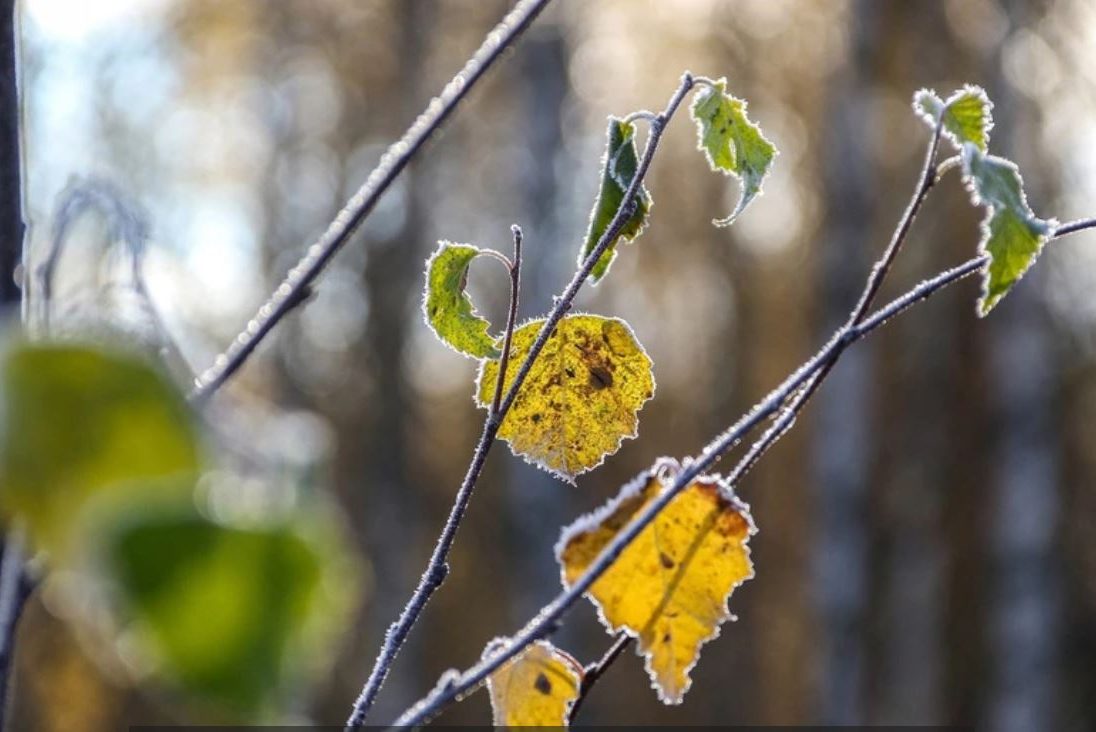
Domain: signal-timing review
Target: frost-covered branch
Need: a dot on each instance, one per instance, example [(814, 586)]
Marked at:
[(299, 281)]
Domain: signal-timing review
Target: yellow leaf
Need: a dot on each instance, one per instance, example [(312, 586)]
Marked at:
[(669, 587), (581, 397), (536, 688)]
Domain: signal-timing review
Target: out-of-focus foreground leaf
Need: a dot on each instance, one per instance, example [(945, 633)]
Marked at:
[(732, 143), (580, 399), (535, 689), (618, 168), (77, 422), (669, 588), (222, 610), (967, 115), (1012, 235), (447, 307)]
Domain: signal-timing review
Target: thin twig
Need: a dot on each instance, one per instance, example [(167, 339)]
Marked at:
[(547, 620), (14, 591), (12, 253), (511, 319), (596, 670), (362, 203), (928, 178), (437, 568)]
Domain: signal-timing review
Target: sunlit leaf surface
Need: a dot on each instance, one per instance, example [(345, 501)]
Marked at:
[(669, 588), (581, 397), (732, 143), (447, 307), (535, 689), (967, 115), (1012, 235)]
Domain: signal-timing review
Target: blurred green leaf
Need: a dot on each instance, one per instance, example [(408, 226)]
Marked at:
[(967, 115), (618, 168), (224, 610), (448, 309), (732, 144), (1012, 235), (76, 422)]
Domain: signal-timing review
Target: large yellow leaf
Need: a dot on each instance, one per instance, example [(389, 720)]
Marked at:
[(669, 588), (581, 397), (535, 689)]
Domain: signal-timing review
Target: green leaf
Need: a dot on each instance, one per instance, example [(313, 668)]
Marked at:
[(967, 115), (1012, 235), (732, 143), (618, 168), (226, 614), (77, 422), (447, 308)]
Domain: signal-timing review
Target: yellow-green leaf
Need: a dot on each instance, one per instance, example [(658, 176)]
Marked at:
[(669, 588), (448, 309), (79, 421), (618, 168), (580, 399), (732, 143), (1012, 235), (967, 115), (536, 688), (231, 616)]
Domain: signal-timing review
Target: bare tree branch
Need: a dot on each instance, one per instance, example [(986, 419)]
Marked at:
[(392, 163)]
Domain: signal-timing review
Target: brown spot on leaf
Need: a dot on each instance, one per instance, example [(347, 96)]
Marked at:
[(665, 560), (543, 685), (600, 377)]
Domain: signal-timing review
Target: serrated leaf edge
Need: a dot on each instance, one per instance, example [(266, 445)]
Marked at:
[(663, 469), (968, 150), (442, 245), (570, 479), (500, 642), (609, 166), (931, 119), (720, 86)]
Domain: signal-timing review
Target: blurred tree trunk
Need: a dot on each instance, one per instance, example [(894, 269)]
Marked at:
[(391, 510), (842, 449), (536, 502), (1025, 587)]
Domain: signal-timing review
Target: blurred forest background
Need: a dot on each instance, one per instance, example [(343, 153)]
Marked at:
[(927, 551)]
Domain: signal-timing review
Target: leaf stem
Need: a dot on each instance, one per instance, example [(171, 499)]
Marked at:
[(437, 567), (511, 319), (596, 670), (361, 204)]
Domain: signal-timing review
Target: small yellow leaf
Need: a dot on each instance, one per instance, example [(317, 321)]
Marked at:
[(669, 587), (581, 397), (536, 688)]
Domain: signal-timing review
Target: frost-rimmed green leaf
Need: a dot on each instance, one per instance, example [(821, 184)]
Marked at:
[(447, 307), (1012, 235), (967, 115), (732, 143), (618, 168)]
